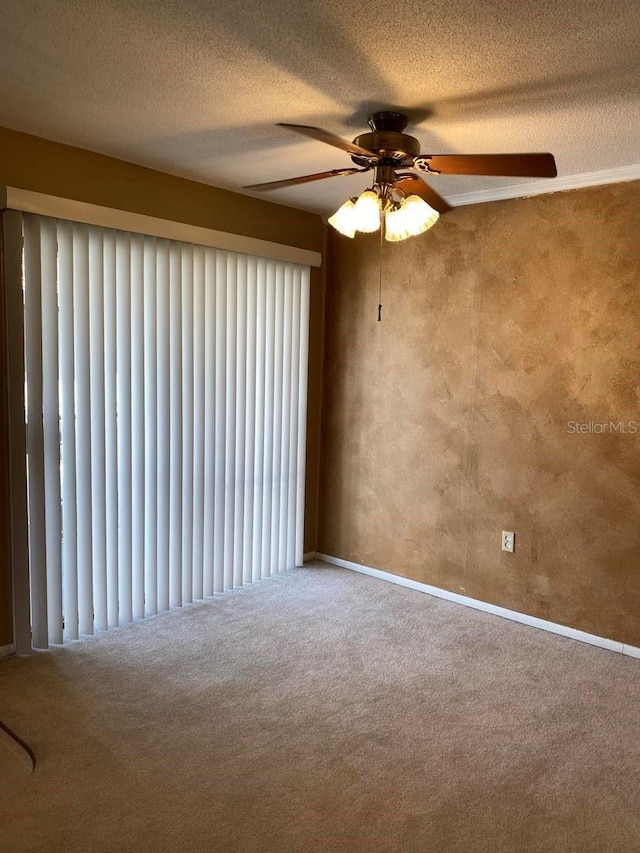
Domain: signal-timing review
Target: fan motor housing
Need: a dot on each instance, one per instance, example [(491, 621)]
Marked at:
[(387, 139), (390, 145)]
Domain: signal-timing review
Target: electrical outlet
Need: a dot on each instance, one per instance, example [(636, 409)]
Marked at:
[(508, 540)]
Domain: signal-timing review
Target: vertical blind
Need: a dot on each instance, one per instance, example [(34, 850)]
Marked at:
[(166, 390)]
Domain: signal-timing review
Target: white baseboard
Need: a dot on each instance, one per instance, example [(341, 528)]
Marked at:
[(7, 650), (513, 615), (310, 555)]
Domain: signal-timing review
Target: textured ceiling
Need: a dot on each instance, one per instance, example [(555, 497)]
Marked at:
[(195, 87)]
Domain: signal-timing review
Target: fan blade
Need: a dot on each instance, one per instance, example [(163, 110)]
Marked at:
[(303, 179), (413, 185), (508, 165), (330, 139)]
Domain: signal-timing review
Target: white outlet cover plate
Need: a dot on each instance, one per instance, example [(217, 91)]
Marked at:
[(508, 540)]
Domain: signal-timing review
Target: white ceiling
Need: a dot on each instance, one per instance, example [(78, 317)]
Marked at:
[(195, 87)]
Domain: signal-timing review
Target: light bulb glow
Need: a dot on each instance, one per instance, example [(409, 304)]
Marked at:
[(414, 216), (344, 220), (394, 228), (367, 212)]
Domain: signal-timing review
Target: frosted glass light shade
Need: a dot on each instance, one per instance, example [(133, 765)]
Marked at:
[(367, 212), (343, 220), (414, 216), (395, 230)]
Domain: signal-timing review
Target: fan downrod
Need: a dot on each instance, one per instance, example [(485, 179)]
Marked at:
[(388, 120)]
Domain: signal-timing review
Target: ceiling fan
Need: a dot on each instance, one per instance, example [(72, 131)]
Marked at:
[(390, 152)]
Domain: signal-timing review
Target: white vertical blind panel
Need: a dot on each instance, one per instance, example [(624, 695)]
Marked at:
[(276, 457), (269, 406), (175, 426), (241, 405), (150, 430), (186, 355), (302, 413), (249, 438), (198, 418), (51, 422), (35, 431), (285, 419), (293, 419), (210, 371), (164, 414), (68, 466), (111, 425), (221, 355), (123, 377), (97, 426), (166, 423), (137, 427), (230, 411), (259, 420), (83, 425)]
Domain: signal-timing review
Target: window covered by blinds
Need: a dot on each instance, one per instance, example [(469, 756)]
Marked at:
[(166, 412)]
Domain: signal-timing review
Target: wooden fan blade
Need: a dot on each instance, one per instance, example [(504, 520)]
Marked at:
[(330, 139), (413, 185), (508, 165), (303, 179)]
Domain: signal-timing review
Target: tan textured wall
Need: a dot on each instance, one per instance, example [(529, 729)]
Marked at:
[(37, 164), (448, 421)]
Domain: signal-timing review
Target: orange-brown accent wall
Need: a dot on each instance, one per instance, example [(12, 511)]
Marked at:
[(449, 421), (29, 162)]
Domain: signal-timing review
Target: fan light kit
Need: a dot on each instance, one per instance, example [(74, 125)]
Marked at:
[(400, 202), (407, 217)]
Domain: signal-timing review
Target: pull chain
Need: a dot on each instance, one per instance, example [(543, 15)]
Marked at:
[(382, 224)]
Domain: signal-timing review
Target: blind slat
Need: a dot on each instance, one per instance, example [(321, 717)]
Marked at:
[(68, 465), (125, 453), (163, 422), (285, 419), (111, 426), (219, 420), (240, 414), (228, 500), (259, 420), (186, 356), (35, 432), (137, 427), (250, 425), (51, 424), (269, 405), (210, 438), (175, 427), (276, 448), (150, 430), (98, 449), (83, 426), (198, 419), (302, 413), (293, 416)]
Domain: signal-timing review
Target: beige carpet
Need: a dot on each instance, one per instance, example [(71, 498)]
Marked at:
[(325, 711)]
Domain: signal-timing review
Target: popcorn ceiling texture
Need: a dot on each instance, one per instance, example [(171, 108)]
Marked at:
[(195, 87), (449, 421)]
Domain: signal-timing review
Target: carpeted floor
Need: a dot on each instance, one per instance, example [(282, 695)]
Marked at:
[(325, 712)]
